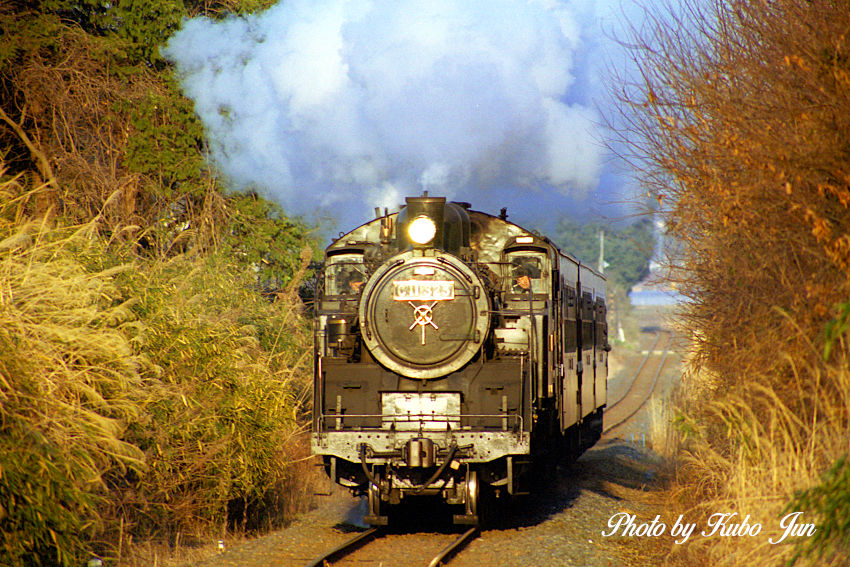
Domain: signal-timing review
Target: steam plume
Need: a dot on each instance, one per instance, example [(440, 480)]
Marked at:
[(341, 103)]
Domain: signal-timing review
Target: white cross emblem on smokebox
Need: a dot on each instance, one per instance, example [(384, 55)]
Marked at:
[(424, 317), (423, 291)]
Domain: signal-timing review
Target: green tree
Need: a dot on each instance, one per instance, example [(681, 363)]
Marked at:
[(259, 235), (144, 25), (627, 250)]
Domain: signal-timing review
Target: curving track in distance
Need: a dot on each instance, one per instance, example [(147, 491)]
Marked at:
[(641, 385)]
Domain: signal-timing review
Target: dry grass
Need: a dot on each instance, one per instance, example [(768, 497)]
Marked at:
[(142, 399), (290, 497), (69, 387), (660, 424), (748, 452)]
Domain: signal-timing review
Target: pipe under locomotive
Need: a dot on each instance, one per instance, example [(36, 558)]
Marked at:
[(453, 348)]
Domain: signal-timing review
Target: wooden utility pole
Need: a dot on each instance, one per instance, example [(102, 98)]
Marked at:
[(601, 251)]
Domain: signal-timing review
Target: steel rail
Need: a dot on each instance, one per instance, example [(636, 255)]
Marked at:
[(355, 543), (346, 548), (450, 550), (637, 372), (651, 386)]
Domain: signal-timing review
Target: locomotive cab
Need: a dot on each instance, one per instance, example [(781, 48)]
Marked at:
[(344, 276)]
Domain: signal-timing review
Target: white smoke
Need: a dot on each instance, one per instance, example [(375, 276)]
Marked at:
[(356, 103)]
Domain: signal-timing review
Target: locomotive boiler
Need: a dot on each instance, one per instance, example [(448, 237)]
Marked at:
[(452, 350)]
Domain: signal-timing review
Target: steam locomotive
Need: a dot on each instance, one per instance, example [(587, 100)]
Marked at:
[(452, 350)]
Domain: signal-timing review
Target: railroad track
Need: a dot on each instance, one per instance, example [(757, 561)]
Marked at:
[(361, 539), (641, 385), (346, 548)]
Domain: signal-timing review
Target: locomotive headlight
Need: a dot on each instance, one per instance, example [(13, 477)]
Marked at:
[(422, 230)]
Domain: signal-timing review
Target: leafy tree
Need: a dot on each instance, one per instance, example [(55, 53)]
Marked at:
[(260, 236), (166, 143), (93, 112), (144, 25), (627, 250)]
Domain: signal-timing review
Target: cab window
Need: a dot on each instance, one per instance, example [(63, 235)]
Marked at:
[(526, 273), (345, 275)]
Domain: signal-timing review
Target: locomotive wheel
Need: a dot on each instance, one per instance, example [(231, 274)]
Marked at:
[(473, 492)]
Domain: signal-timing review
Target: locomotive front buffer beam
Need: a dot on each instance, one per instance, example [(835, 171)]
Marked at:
[(410, 448), (398, 464)]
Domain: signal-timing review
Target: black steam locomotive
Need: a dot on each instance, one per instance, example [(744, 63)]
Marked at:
[(453, 348)]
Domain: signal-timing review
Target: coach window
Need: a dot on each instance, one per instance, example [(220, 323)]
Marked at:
[(587, 321), (601, 325), (345, 275), (526, 273)]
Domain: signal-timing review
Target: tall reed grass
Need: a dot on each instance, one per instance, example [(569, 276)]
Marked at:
[(753, 451), (69, 387), (139, 397)]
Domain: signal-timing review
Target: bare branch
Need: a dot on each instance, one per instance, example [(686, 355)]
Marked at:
[(39, 156)]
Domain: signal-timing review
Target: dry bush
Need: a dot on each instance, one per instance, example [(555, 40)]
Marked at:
[(103, 135), (63, 110), (750, 451), (743, 130), (740, 122)]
